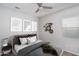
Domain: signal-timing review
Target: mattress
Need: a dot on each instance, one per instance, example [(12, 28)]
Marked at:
[(20, 47)]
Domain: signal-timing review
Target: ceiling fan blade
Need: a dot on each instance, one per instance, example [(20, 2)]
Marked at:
[(39, 4), (37, 10), (47, 7)]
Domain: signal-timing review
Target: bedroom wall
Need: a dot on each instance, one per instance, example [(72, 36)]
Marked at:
[(5, 18), (57, 39)]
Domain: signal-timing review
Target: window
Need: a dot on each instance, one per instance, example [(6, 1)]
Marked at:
[(34, 26), (27, 25), (18, 24)]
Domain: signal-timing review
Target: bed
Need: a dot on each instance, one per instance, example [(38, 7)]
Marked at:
[(31, 49)]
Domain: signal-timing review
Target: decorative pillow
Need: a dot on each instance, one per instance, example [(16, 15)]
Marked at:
[(23, 40), (32, 39)]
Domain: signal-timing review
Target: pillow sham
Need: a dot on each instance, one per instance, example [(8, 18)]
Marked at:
[(23, 40), (32, 39)]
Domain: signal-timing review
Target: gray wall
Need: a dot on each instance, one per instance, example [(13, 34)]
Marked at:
[(57, 39), (5, 19)]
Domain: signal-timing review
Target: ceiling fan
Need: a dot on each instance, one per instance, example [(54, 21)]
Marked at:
[(40, 5)]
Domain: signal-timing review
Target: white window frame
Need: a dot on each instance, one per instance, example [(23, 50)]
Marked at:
[(24, 25), (21, 25), (18, 27)]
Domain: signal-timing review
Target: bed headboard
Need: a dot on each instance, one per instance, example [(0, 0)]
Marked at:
[(16, 38)]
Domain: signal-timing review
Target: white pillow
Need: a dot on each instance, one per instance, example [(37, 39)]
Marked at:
[(23, 40), (32, 39)]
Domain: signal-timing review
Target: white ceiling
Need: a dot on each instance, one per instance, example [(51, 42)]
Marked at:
[(30, 8)]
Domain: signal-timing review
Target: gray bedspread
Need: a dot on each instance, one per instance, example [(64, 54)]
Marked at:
[(27, 50), (34, 50)]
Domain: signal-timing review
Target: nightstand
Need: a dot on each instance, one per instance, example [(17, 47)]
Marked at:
[(6, 49)]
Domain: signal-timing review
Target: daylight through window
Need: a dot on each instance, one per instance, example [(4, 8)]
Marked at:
[(18, 24)]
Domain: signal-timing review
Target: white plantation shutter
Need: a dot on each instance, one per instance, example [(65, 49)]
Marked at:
[(27, 25), (16, 24), (34, 26)]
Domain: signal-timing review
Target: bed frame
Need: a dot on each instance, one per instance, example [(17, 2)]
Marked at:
[(17, 41)]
